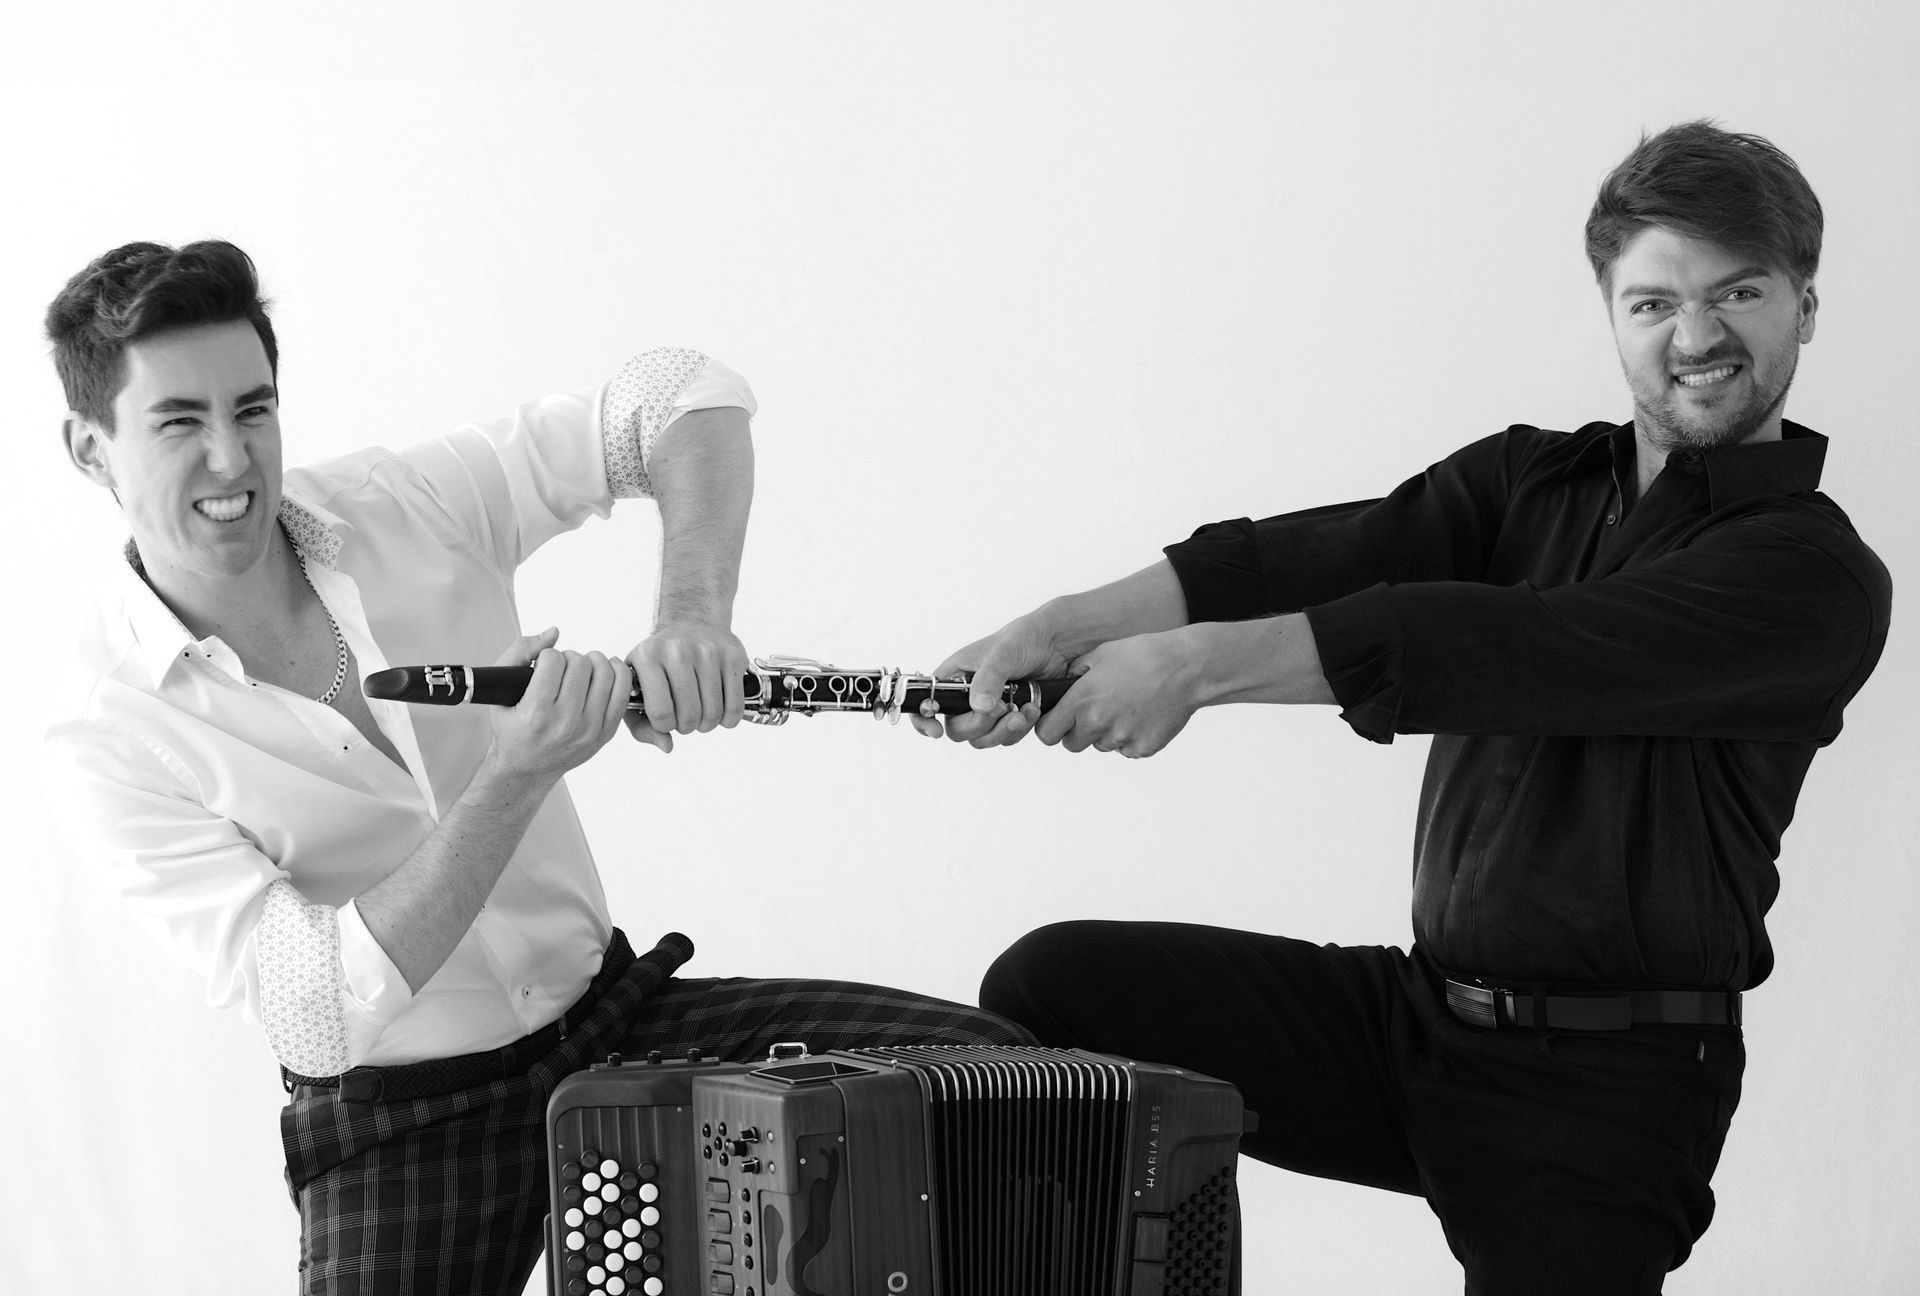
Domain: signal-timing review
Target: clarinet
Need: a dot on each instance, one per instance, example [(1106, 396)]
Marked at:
[(776, 687)]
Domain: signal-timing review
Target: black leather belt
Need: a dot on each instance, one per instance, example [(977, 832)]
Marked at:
[(1594, 1008)]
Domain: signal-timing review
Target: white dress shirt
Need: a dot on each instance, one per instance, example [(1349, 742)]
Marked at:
[(240, 820)]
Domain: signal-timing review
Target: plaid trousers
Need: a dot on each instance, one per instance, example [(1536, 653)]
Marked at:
[(446, 1193)]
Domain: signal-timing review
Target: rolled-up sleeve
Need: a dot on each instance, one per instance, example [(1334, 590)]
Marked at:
[(650, 394), (514, 483), (309, 974)]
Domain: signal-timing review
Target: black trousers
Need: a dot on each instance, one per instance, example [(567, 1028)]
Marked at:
[(1557, 1161)]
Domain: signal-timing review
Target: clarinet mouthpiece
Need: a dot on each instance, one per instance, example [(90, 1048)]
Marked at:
[(389, 684)]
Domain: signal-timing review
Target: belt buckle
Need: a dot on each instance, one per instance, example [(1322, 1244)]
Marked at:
[(1472, 1004), (363, 1084)]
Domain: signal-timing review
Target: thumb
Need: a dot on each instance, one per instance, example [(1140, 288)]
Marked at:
[(527, 647), (990, 679), (636, 722)]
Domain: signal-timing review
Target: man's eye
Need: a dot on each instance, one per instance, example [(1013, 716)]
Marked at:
[(255, 412), (1645, 307), (1743, 294)]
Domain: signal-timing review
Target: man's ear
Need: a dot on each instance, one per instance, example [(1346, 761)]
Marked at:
[(1809, 306), (87, 447)]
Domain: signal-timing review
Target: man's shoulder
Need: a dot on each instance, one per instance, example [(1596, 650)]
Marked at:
[(1523, 450), (104, 645), (107, 667), (1541, 440), (328, 482)]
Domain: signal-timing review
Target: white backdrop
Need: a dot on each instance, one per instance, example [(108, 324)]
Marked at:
[(1025, 292)]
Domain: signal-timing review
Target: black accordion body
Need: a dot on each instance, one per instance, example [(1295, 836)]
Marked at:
[(923, 1171)]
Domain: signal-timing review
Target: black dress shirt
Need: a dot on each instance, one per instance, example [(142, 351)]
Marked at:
[(1625, 695)]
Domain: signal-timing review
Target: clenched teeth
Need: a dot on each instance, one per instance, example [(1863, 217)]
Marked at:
[(223, 510), (1703, 379)]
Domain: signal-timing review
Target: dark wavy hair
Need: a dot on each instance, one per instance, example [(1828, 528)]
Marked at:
[(1695, 179), (136, 291)]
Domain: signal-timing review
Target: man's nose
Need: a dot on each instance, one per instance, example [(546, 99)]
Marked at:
[(1697, 332), (227, 452)]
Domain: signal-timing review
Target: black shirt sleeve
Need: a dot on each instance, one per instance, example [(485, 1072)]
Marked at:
[(1461, 602), (1757, 630), (1440, 525)]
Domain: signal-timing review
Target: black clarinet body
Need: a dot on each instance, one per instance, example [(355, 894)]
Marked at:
[(774, 689)]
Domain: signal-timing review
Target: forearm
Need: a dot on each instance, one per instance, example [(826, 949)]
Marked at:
[(421, 911), (1271, 659), (1146, 602), (702, 471)]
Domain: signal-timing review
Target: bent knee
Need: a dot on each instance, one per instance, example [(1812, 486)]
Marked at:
[(1027, 982)]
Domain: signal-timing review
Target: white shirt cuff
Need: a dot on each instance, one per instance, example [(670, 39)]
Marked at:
[(373, 990)]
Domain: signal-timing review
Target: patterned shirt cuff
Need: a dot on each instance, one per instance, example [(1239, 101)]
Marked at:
[(300, 982), (643, 400)]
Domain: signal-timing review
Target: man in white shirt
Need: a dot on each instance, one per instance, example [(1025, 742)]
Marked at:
[(404, 901)]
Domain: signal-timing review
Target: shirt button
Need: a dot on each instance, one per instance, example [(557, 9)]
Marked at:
[(1612, 518), (526, 992)]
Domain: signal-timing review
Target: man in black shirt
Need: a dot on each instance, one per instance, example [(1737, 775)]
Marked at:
[(1628, 642)]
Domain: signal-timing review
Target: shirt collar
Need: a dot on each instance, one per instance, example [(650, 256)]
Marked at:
[(1784, 467), (162, 637)]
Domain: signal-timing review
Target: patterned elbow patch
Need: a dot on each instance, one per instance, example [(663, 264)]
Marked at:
[(638, 403), (301, 983)]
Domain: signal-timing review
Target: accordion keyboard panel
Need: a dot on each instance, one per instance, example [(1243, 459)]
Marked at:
[(610, 1238)]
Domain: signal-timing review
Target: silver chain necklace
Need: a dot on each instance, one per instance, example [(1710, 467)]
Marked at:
[(339, 640)]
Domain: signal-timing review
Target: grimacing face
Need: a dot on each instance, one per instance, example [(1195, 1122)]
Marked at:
[(1708, 339), (195, 454)]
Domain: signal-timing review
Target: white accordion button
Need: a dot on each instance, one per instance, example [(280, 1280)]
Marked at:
[(575, 1240), (631, 1227), (649, 1215), (649, 1192), (654, 1287), (609, 1169), (590, 1181)]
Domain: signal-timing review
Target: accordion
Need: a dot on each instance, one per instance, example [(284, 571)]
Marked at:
[(937, 1170)]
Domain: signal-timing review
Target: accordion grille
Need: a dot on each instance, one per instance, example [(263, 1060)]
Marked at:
[(1027, 1147)]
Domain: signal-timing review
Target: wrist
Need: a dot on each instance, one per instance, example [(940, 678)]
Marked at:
[(501, 786), (1268, 659), (1147, 602), (1069, 625), (711, 612)]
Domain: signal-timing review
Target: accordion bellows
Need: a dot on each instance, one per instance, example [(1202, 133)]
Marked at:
[(925, 1171)]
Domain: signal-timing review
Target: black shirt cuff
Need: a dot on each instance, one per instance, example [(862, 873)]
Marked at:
[(1363, 656), (1220, 572)]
